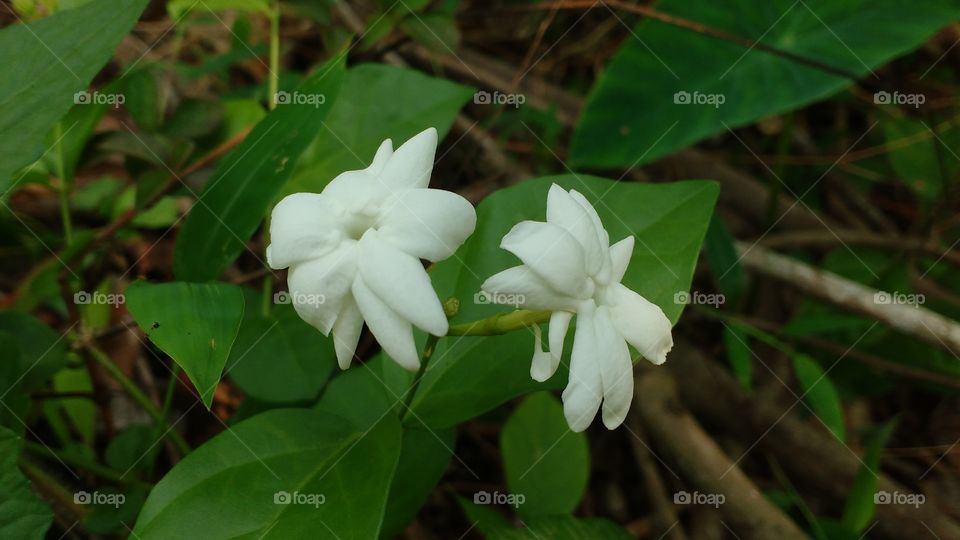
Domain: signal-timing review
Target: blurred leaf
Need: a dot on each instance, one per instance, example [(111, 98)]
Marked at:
[(80, 410), (279, 358), (669, 222), (249, 478), (179, 8), (74, 132), (860, 505), (196, 118), (629, 119), (436, 31), (141, 90), (724, 261), (237, 196), (45, 64), (195, 323), (482, 516), (377, 102), (97, 196), (562, 528), (737, 343), (42, 351), (161, 215), (130, 448), (543, 460), (23, 515), (820, 393), (106, 518), (926, 163)]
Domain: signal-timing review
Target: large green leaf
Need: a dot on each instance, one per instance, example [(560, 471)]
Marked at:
[(44, 64), (278, 358), (377, 102), (470, 375), (22, 513), (544, 461), (235, 199), (632, 116), (195, 323), (289, 473)]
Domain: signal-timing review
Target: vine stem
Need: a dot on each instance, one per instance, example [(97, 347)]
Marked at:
[(428, 349), (87, 465), (501, 323), (273, 87), (101, 358)]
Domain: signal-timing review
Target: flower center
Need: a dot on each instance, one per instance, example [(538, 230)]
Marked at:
[(359, 221)]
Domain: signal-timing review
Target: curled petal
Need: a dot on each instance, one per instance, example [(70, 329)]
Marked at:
[(584, 391), (552, 253), (302, 227), (601, 233), (380, 159), (529, 290), (400, 281), (620, 254), (642, 323), (318, 287), (564, 211), (392, 331), (616, 369), (543, 366), (411, 164), (346, 332), (428, 223), (559, 323)]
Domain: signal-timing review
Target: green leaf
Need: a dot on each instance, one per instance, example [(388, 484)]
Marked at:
[(471, 375), (45, 63), (278, 358), (377, 102), (22, 513), (926, 163), (195, 323), (820, 393), (724, 261), (482, 516), (544, 461), (436, 31), (739, 355), (260, 480), (860, 506), (178, 8), (42, 351), (131, 448), (237, 196), (424, 456), (631, 119), (562, 528)]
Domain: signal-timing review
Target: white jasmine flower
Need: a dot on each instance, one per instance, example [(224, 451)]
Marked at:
[(357, 248), (569, 267)]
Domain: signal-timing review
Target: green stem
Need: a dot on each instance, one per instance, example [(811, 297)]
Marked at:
[(90, 466), (101, 358), (748, 329), (47, 485), (501, 323), (428, 349), (274, 53), (64, 188)]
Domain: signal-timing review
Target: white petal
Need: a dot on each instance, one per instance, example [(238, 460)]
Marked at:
[(552, 253), (559, 323), (411, 164), (346, 332), (581, 398), (401, 282), (428, 223), (564, 211), (616, 369), (602, 236), (317, 288), (380, 159), (642, 323), (527, 288), (302, 227), (392, 331), (542, 367), (620, 254)]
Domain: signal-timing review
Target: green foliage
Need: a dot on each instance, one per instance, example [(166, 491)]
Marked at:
[(289, 473), (739, 355), (562, 528), (724, 261), (544, 461), (196, 324), (820, 394), (22, 513), (860, 506)]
